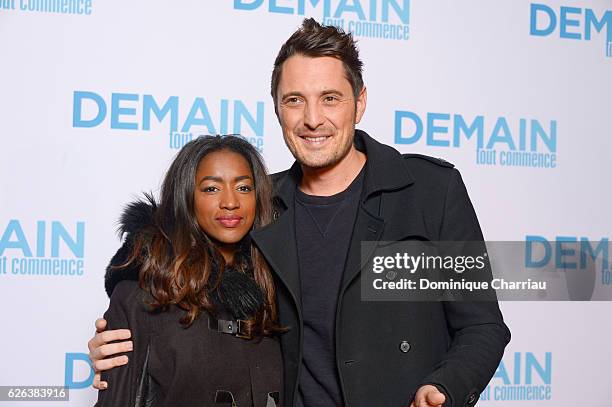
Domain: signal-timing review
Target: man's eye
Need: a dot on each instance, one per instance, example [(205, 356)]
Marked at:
[(330, 99), (292, 100)]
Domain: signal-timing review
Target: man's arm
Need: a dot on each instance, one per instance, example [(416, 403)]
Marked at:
[(122, 311), (136, 215), (479, 334), (100, 347)]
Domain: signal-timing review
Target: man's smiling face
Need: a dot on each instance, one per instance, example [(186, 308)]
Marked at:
[(317, 110)]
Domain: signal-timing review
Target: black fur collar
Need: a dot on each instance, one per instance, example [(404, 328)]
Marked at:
[(238, 293)]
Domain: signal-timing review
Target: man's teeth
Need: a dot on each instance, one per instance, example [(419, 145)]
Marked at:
[(315, 139)]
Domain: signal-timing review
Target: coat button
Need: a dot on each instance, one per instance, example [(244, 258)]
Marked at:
[(404, 346)]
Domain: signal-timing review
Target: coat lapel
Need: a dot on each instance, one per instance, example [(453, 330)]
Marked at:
[(367, 228), (277, 241), (385, 171)]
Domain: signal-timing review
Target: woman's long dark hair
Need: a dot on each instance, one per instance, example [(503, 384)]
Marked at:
[(177, 257)]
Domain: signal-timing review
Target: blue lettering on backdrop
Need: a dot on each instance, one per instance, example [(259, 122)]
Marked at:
[(343, 9), (14, 227), (75, 243), (117, 110), (570, 252), (461, 126), (7, 4), (530, 241), (400, 138), (326, 7), (16, 250), (502, 139), (123, 107), (526, 376), (150, 105), (234, 116), (574, 23), (200, 109), (371, 18), (274, 8), (501, 134), (522, 367), (77, 7), (69, 369), (246, 5), (77, 112)]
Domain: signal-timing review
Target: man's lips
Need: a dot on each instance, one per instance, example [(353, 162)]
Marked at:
[(314, 139), (229, 221)]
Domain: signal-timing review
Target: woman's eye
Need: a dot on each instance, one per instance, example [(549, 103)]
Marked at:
[(210, 189), (245, 188)]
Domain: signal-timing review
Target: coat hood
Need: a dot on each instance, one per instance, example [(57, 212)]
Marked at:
[(238, 293), (135, 219)]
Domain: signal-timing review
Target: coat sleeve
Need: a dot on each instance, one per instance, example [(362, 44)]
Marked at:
[(479, 334), (123, 380)]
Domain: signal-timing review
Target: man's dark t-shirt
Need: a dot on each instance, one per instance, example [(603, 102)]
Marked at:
[(324, 225)]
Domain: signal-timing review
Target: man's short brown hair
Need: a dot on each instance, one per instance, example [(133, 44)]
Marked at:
[(315, 40)]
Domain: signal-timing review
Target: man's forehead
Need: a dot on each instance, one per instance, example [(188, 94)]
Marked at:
[(318, 73)]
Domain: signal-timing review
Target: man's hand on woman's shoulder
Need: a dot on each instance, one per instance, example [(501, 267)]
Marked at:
[(104, 345)]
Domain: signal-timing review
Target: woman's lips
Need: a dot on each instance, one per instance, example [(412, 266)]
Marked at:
[(229, 221)]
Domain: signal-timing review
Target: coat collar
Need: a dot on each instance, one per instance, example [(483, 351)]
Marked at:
[(385, 171)]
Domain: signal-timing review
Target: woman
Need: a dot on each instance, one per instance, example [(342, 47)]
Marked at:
[(202, 313)]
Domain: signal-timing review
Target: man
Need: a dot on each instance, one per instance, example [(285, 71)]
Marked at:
[(345, 188)]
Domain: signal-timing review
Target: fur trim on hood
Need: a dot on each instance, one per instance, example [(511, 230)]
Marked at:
[(136, 216), (238, 292)]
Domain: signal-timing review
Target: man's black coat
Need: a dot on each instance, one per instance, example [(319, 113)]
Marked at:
[(454, 345)]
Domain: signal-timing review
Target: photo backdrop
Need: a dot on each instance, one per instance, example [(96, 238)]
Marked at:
[(96, 97)]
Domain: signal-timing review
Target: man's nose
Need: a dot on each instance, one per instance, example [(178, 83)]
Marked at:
[(313, 116)]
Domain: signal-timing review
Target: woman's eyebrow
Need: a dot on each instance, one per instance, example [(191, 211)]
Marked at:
[(219, 179)]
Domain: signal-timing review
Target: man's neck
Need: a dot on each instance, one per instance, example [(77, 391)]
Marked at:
[(333, 179)]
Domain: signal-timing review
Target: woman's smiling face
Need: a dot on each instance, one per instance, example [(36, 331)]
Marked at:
[(224, 199)]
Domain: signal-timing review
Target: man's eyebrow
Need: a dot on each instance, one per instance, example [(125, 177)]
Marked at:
[(291, 93), (328, 91), (324, 92)]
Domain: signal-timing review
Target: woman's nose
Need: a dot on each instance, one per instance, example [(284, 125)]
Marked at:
[(229, 200)]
